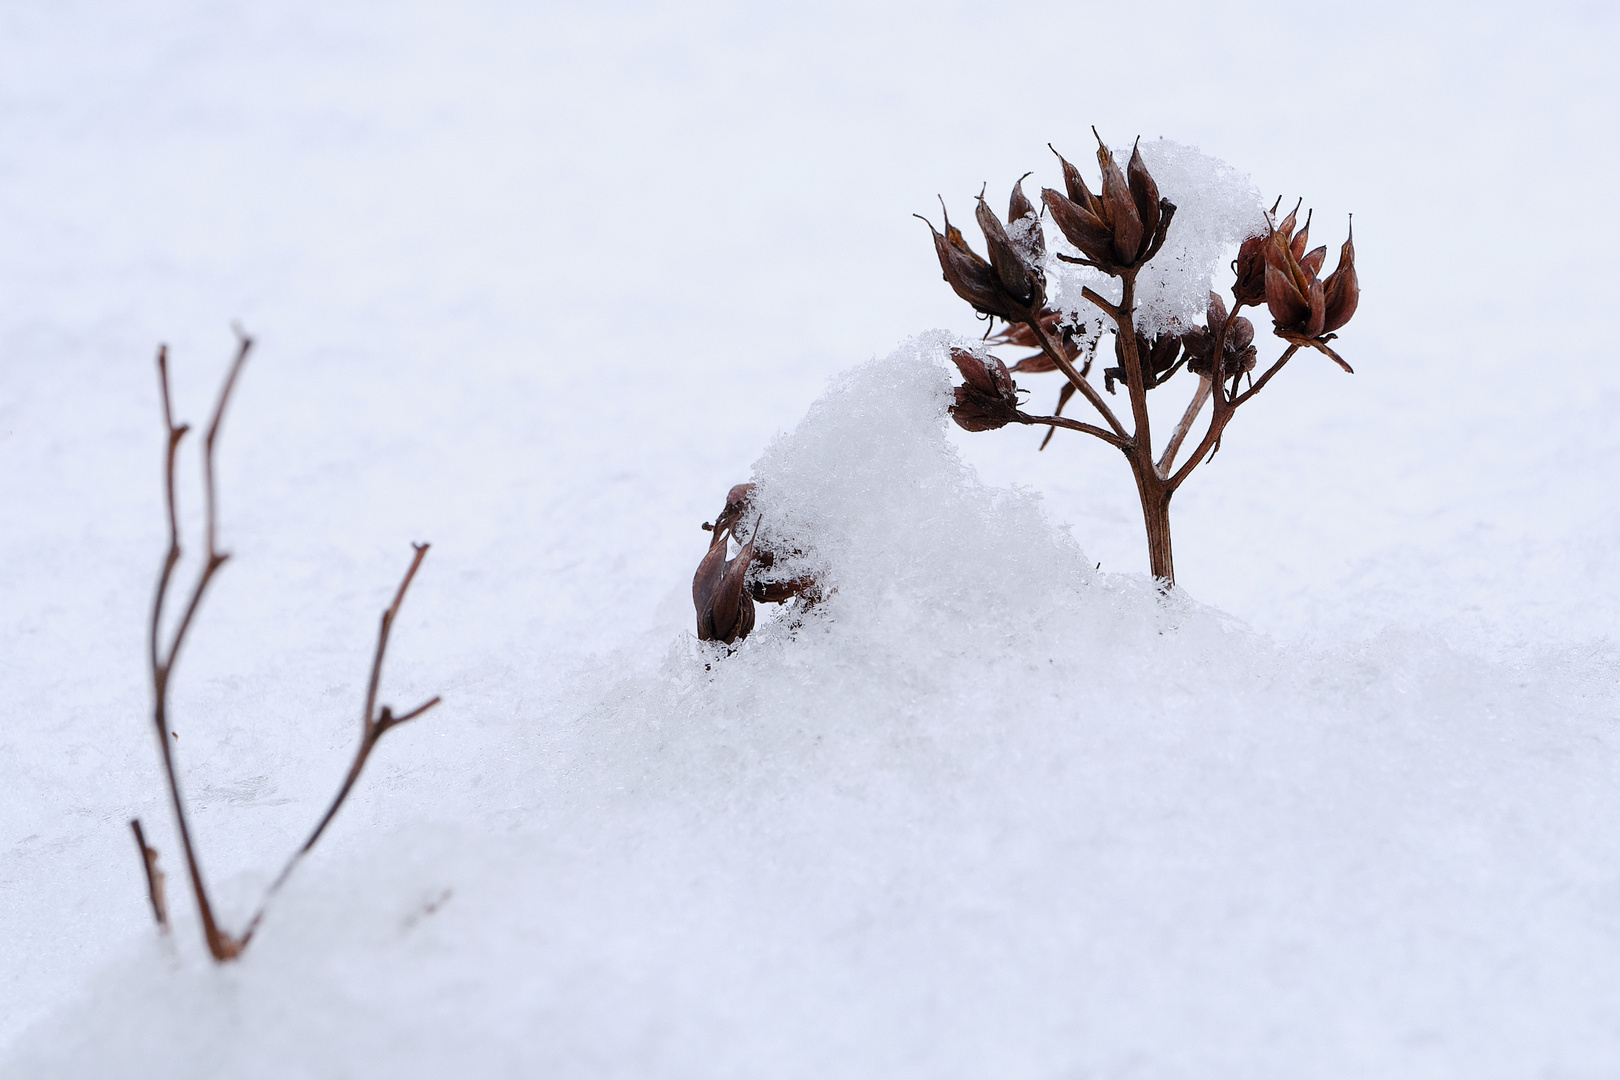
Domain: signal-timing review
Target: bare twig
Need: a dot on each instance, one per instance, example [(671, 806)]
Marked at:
[(1321, 345), (154, 876), (220, 944), (1073, 425), (1194, 406), (1109, 309), (372, 726), (1260, 383), (1078, 381), (1063, 399)]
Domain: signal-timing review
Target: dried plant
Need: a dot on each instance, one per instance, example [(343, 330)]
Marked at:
[(222, 945), (724, 590), (1118, 230)]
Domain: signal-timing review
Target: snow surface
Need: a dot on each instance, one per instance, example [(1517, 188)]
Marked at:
[(538, 284)]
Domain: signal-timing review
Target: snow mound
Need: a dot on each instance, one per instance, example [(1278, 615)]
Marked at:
[(983, 811)]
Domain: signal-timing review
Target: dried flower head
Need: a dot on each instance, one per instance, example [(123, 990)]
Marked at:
[(1009, 285), (725, 611), (1160, 357), (988, 398), (724, 591), (1296, 296), (1122, 227), (1235, 335), (1250, 265)]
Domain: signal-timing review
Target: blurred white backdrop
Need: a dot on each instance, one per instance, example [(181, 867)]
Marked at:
[(538, 283)]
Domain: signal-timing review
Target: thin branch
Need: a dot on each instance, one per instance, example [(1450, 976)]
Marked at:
[(175, 432), (1055, 354), (1194, 406), (213, 559), (1135, 378), (1074, 425), (388, 616), (1321, 345), (373, 725), (1063, 399), (1262, 380), (154, 876), (243, 345), (220, 944), (1109, 309)]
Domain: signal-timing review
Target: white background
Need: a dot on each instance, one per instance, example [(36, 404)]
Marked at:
[(538, 284)]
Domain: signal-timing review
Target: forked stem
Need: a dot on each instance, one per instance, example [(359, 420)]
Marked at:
[(223, 946), (1177, 437), (372, 726)]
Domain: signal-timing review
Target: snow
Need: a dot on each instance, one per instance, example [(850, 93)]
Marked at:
[(538, 285), (1217, 207)]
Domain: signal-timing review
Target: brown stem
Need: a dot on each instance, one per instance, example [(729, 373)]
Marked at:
[(1260, 383), (1224, 410), (1151, 487), (1078, 381), (154, 876), (372, 726), (1096, 298), (1073, 425), (220, 944), (1155, 496), (1194, 406), (1135, 380)]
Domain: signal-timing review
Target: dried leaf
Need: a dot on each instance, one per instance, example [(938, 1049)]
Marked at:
[(1123, 219), (1343, 291), (1019, 205), (1167, 213), (1081, 228), (1288, 223), (1302, 239), (1075, 184), (733, 612), (706, 583), (1144, 192), (1017, 276), (1315, 325), (973, 279), (1289, 308)]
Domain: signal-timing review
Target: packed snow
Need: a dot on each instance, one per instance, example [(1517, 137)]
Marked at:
[(538, 285)]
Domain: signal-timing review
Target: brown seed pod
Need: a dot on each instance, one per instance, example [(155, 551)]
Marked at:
[(1250, 269), (1082, 228), (1144, 192), (987, 398), (971, 277), (1075, 184), (1342, 290), (1123, 219), (1019, 279), (1019, 205)]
